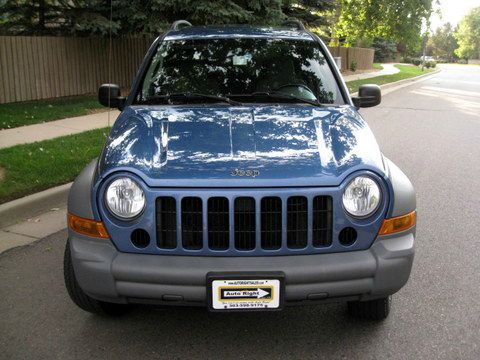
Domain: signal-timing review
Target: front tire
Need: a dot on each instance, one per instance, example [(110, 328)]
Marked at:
[(377, 309), (81, 299)]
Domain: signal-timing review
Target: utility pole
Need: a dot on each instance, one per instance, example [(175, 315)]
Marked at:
[(424, 49)]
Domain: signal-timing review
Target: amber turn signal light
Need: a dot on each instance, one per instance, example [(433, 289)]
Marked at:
[(399, 223), (87, 226)]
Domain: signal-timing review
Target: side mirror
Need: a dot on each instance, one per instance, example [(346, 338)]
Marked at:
[(368, 96), (109, 96)]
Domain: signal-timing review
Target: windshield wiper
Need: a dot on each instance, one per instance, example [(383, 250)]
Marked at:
[(190, 96), (278, 95)]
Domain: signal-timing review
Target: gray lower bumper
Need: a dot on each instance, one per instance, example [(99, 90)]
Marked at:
[(109, 275)]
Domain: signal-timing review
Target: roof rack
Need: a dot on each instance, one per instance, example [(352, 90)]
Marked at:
[(294, 23), (177, 24)]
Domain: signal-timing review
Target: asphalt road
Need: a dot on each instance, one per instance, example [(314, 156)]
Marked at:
[(432, 131)]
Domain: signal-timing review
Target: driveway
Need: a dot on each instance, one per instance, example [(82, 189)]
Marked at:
[(431, 129)]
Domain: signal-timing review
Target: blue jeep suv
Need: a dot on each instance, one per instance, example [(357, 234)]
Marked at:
[(239, 176)]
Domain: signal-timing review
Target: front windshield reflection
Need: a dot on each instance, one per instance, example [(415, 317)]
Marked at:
[(239, 66)]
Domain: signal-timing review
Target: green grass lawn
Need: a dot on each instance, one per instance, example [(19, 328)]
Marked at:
[(406, 72), (29, 168), (377, 66), (34, 112)]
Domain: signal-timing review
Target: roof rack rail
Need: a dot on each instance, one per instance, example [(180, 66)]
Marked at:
[(177, 24), (294, 23)]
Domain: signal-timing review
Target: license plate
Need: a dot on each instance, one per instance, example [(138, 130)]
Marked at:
[(245, 293)]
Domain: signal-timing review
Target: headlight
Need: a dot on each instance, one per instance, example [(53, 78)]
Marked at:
[(124, 198), (361, 197)]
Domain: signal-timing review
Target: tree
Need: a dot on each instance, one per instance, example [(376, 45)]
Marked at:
[(384, 49), (468, 35), (155, 15), (442, 43), (310, 12), (55, 17), (397, 20), (86, 17)]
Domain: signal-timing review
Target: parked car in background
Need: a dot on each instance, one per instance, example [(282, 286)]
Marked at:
[(239, 176), (427, 58)]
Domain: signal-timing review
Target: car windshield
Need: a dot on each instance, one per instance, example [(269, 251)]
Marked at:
[(241, 69)]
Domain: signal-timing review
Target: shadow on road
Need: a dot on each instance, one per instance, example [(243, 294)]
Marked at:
[(196, 333)]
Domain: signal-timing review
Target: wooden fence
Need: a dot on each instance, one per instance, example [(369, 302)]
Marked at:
[(361, 56), (45, 67), (34, 68)]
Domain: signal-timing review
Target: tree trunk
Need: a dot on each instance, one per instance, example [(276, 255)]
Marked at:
[(41, 16)]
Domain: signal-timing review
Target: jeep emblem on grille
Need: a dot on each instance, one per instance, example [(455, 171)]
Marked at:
[(241, 172)]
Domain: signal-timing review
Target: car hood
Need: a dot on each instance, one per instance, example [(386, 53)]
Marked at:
[(225, 146)]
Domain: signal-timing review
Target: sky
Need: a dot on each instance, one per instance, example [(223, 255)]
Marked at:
[(452, 11)]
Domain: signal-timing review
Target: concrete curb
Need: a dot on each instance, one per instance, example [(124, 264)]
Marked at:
[(33, 205), (402, 83), (409, 80)]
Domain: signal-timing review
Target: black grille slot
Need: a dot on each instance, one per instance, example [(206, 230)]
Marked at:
[(244, 223), (271, 229), (297, 222), (322, 221), (166, 222), (192, 229), (218, 223)]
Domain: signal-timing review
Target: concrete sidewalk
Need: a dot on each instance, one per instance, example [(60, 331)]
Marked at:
[(388, 69), (32, 229), (53, 129), (25, 220)]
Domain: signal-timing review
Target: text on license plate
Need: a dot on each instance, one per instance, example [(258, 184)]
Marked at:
[(245, 294)]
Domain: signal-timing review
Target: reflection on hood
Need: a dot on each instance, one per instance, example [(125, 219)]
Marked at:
[(177, 144)]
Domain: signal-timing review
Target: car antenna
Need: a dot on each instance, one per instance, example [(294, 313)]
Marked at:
[(179, 23), (110, 62)]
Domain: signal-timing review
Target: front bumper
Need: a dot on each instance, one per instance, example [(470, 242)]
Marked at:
[(109, 275)]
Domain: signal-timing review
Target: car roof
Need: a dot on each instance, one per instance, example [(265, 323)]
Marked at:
[(236, 31)]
